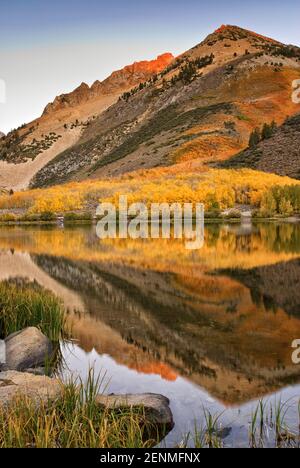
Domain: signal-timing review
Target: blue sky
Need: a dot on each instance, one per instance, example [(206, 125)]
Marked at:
[(47, 48)]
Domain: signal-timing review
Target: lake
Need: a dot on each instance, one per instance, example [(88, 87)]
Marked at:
[(210, 328)]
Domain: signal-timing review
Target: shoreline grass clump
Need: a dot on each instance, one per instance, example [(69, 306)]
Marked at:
[(268, 427), (73, 420), (25, 305)]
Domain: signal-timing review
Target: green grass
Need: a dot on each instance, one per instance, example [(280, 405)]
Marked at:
[(268, 427), (27, 305), (243, 117), (74, 420)]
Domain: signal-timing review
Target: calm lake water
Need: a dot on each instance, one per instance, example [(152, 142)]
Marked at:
[(211, 328)]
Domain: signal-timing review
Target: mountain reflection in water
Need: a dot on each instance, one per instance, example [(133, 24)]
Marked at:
[(221, 319)]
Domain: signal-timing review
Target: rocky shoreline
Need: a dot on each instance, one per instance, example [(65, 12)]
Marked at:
[(23, 374)]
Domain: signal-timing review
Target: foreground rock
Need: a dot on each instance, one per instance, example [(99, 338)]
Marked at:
[(27, 349), (39, 388), (156, 407)]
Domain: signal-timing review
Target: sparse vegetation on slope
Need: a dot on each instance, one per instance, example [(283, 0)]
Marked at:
[(14, 150), (279, 153), (166, 120)]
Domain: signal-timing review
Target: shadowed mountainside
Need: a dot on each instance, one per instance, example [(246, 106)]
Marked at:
[(279, 154)]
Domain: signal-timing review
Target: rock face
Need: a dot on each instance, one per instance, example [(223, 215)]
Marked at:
[(118, 81), (2, 135), (27, 349), (39, 388), (23, 152), (156, 406)]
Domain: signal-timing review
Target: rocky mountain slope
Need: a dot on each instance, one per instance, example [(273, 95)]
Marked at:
[(26, 150), (279, 154), (2, 135), (119, 81), (200, 109), (197, 109)]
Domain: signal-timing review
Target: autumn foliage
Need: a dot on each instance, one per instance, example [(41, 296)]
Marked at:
[(217, 189)]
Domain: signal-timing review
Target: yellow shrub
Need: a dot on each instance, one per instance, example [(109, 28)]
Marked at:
[(58, 203), (169, 185)]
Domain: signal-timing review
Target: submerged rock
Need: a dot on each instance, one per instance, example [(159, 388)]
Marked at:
[(224, 432), (156, 407), (13, 384), (26, 349)]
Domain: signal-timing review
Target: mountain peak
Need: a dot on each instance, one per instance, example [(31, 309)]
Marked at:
[(224, 27), (229, 31)]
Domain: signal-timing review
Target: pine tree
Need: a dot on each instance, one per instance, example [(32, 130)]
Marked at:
[(266, 132), (254, 138), (273, 126)]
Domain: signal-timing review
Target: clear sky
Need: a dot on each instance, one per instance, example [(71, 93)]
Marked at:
[(47, 48)]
